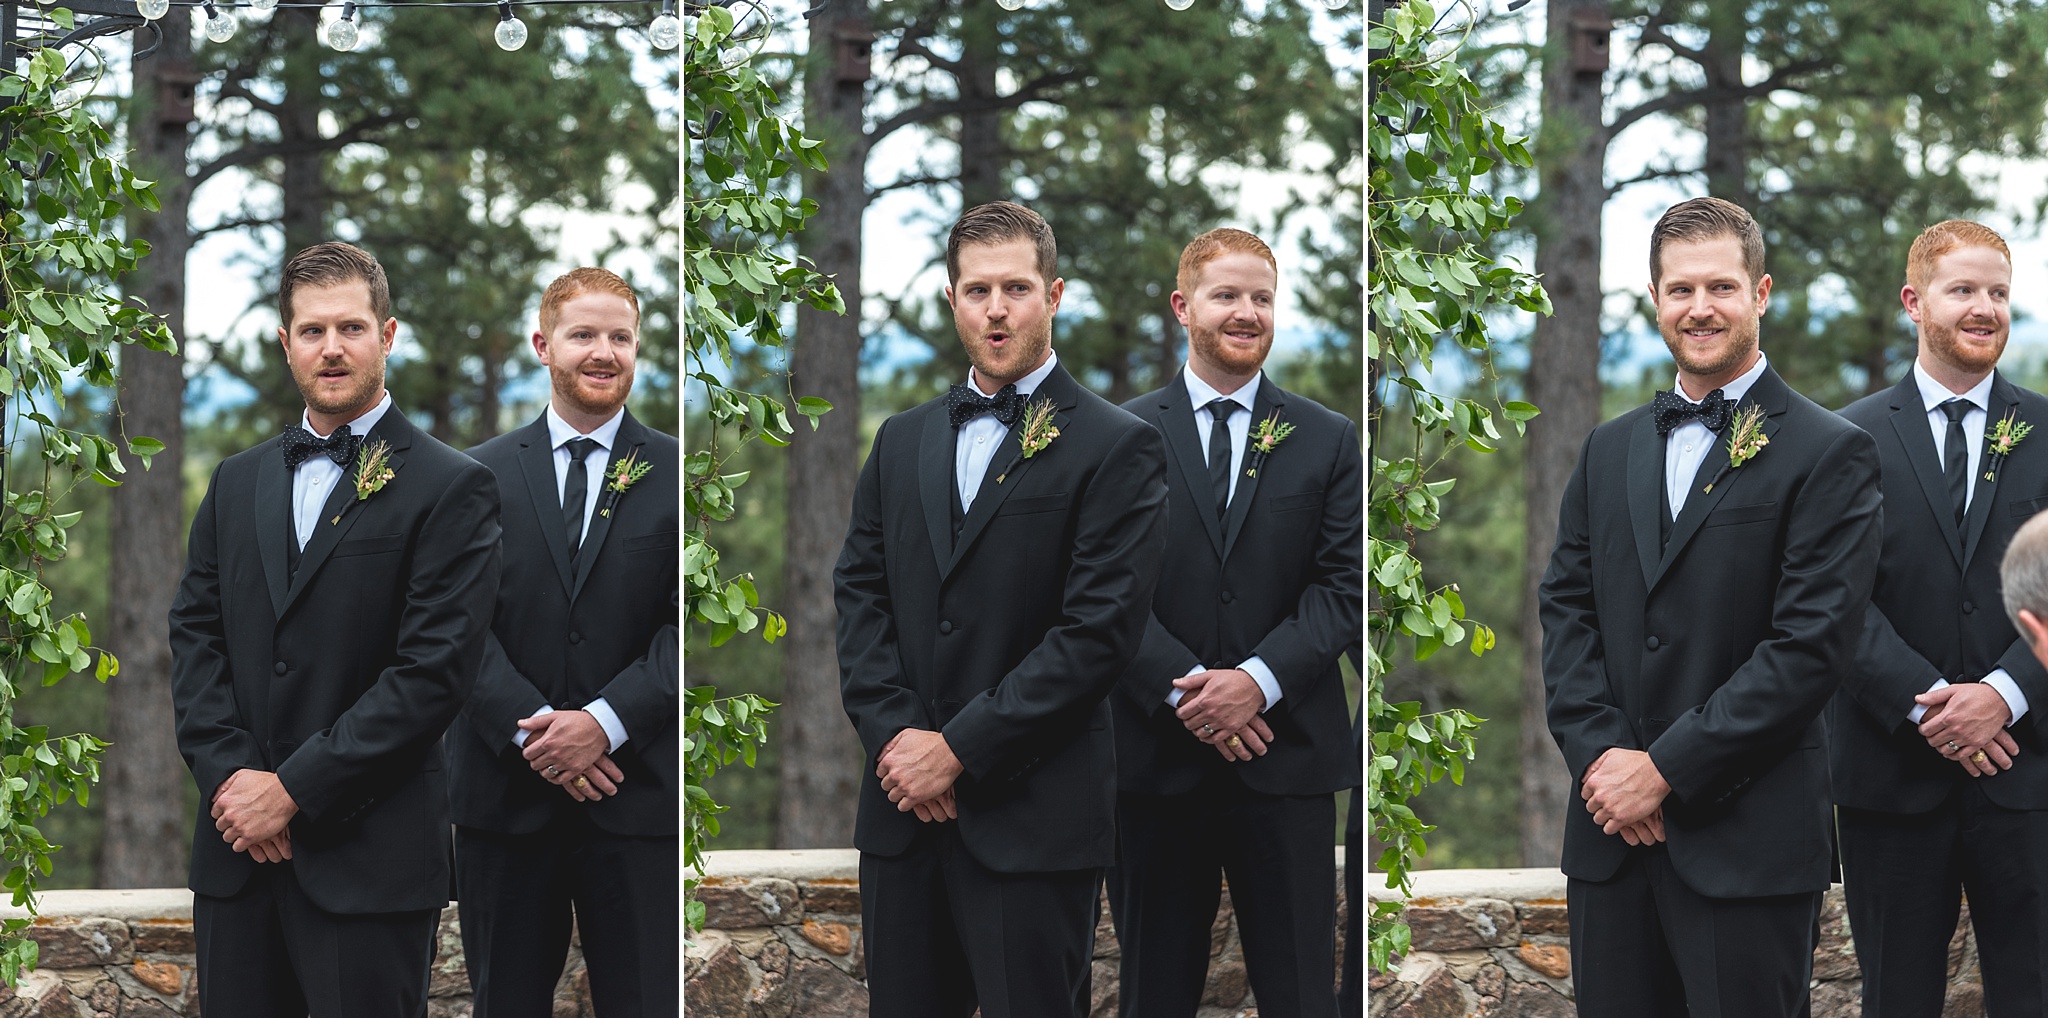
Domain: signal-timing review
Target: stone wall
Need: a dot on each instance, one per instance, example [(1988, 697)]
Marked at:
[(782, 940), (130, 954), (1497, 943)]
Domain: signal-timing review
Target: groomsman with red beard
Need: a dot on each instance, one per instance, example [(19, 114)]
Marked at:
[(1230, 733), (563, 763), (1940, 773)]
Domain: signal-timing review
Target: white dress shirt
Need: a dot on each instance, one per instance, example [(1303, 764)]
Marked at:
[(1933, 394), (1688, 444), (1200, 393), (314, 479), (980, 436), (560, 432)]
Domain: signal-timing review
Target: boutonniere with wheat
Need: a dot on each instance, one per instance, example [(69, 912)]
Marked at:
[(373, 472), (1264, 439), (620, 476), (1746, 438), (1999, 444), (1038, 433)]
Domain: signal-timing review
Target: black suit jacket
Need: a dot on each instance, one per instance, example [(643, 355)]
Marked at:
[(1718, 652), (1008, 639), (1937, 612), (340, 678), (564, 640), (1279, 579)]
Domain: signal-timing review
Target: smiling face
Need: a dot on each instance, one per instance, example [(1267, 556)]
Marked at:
[(336, 349), (1708, 310), (1229, 318), (1964, 314), (1003, 309), (589, 354)]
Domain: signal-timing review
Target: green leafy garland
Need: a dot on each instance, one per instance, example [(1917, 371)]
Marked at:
[(1428, 136), (62, 195), (738, 280)]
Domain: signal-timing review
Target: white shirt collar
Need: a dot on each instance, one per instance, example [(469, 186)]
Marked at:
[(1200, 393), (1934, 394), (561, 431), (1735, 390), (361, 425), (1025, 385)]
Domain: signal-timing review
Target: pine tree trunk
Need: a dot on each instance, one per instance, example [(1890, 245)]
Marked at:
[(143, 780), (821, 759), (1563, 380)]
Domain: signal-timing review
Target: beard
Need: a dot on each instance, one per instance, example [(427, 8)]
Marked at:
[(366, 382), (1737, 347), (568, 384), (1210, 346), (1944, 344), (1024, 351)]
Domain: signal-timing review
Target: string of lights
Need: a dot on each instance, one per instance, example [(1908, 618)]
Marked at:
[(342, 33)]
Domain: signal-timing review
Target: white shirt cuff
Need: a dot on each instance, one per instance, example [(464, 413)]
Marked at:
[(2015, 700), (1174, 694), (607, 719), (519, 734), (1256, 668)]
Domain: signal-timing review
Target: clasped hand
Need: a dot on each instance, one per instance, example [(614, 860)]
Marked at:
[(251, 809), (570, 744), (918, 769), (1625, 793), (1972, 717), (1222, 702)]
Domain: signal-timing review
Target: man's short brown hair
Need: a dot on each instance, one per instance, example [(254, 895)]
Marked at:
[(1706, 219), (1213, 245), (328, 264), (1942, 238), (577, 282), (996, 223)]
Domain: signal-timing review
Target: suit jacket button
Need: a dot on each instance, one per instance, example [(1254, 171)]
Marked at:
[(945, 628), (1227, 597), (1652, 643), (575, 637), (1969, 607), (278, 668)]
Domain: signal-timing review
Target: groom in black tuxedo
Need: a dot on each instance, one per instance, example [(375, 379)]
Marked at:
[(1939, 770), (995, 581), (1230, 733), (328, 627), (1715, 552), (563, 763)]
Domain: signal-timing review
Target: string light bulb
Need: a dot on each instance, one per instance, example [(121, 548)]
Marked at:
[(1010, 5), (341, 33), (153, 9), (511, 32), (1180, 5), (67, 97), (219, 27), (665, 32)]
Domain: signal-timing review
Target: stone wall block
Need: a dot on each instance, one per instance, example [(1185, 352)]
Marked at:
[(1544, 918), (1227, 984), (146, 1009), (1425, 989), (162, 936), (731, 903), (721, 986), (69, 943), (821, 990), (1459, 925), (832, 894), (1533, 1000), (799, 946), (1837, 1000), (1553, 960), (1102, 987)]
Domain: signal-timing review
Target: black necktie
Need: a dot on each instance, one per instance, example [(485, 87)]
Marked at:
[(1673, 410), (300, 445), (1219, 451), (1955, 456), (573, 491), (963, 404)]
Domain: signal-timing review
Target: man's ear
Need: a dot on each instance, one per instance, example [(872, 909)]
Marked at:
[(540, 347), (2035, 631)]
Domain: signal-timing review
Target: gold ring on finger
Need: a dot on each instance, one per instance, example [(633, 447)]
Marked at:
[(582, 782), (1978, 757), (1235, 742)]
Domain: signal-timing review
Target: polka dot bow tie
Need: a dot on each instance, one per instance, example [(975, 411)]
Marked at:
[(964, 404), (1673, 410), (300, 445)]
